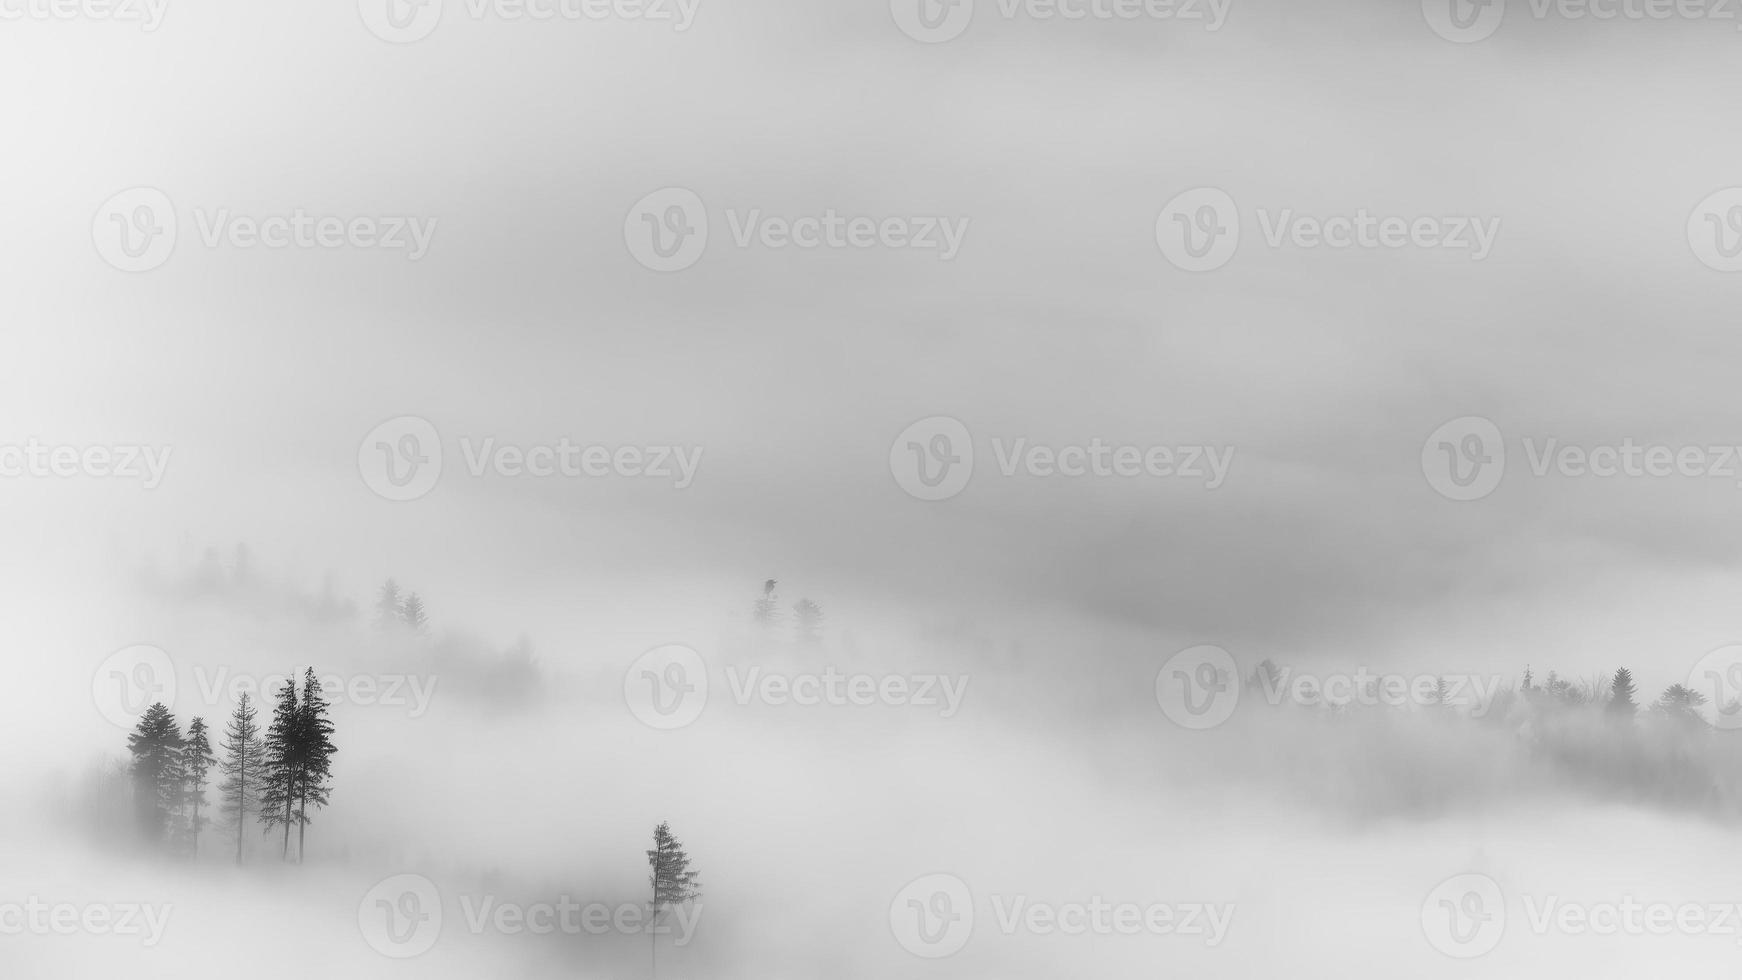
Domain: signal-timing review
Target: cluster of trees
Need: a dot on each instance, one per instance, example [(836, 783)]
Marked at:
[(272, 780), (396, 611), (807, 622)]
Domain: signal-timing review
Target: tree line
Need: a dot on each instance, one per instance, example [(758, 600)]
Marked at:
[(272, 780)]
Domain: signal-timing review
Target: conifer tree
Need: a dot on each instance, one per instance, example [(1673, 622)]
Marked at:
[(387, 605), (672, 880), (807, 626), (155, 745), (243, 758), (316, 732), (415, 619), (196, 761), (1621, 701), (282, 764), (767, 608)]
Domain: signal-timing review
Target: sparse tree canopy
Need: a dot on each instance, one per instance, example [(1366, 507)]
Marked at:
[(242, 765)]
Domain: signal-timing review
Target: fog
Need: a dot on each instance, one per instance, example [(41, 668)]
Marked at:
[(1020, 725)]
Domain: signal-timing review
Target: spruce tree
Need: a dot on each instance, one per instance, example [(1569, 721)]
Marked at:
[(672, 880), (413, 613), (807, 624), (767, 608), (1621, 702), (155, 745), (196, 761), (316, 732), (242, 770), (282, 764), (387, 605)]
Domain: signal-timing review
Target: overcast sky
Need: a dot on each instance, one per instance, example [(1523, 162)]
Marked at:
[(1059, 321)]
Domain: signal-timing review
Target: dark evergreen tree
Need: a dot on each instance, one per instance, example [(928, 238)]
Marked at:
[(156, 745), (242, 764), (672, 880), (1621, 701), (282, 764), (196, 762), (316, 731), (413, 614)]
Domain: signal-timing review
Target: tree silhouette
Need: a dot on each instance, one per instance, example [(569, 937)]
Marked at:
[(413, 614), (1621, 701), (672, 880), (155, 745), (316, 732), (282, 764), (387, 612), (243, 757), (196, 762), (807, 624)]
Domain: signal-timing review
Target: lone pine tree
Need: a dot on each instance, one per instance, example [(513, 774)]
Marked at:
[(243, 761), (672, 880), (196, 761), (155, 745), (315, 730), (282, 764)]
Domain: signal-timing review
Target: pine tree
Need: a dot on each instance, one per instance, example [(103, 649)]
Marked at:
[(1621, 702), (196, 761), (415, 620), (282, 764), (387, 612), (241, 768), (316, 731), (807, 622), (767, 608), (672, 880), (155, 745)]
